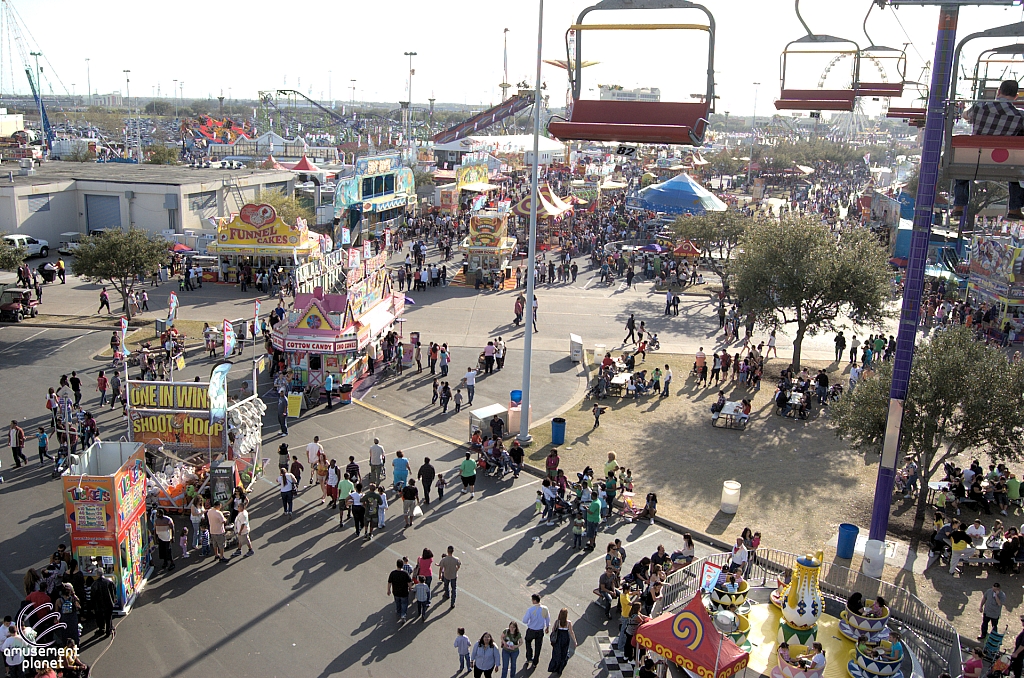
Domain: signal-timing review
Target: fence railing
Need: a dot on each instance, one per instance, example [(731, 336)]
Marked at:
[(767, 566)]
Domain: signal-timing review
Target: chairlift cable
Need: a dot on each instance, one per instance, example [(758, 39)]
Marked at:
[(896, 15)]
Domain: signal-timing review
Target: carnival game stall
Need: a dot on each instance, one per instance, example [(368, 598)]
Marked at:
[(258, 238), (105, 512), (336, 333), (997, 278)]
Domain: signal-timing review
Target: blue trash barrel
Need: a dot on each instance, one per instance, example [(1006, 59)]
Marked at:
[(516, 397), (847, 540), (558, 431)]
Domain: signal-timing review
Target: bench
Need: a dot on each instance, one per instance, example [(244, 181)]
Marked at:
[(650, 122), (977, 560)]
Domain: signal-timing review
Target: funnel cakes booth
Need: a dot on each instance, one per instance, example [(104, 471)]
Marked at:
[(259, 238)]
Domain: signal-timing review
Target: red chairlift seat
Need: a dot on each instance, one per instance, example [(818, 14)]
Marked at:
[(914, 116), (986, 157), (879, 89), (816, 100), (655, 122)]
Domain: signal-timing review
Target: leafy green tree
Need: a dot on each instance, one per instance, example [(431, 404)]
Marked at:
[(11, 257), (287, 207), (963, 396), (797, 272), (118, 257), (161, 155), (715, 232), (158, 107)]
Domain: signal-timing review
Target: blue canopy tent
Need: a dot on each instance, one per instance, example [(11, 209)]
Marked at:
[(679, 195)]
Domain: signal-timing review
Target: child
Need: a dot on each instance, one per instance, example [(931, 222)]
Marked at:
[(422, 591), (577, 532), (538, 505), (462, 644), (382, 509), (43, 440), (183, 542), (204, 536), (439, 484), (181, 283), (458, 400)]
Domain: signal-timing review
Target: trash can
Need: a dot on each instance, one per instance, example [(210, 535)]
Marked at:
[(730, 496), (847, 540), (515, 397), (346, 394), (558, 431)]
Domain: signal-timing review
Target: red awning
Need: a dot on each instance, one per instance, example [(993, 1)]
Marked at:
[(686, 249), (689, 639)]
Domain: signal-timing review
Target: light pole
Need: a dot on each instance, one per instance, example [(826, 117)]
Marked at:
[(39, 94), (753, 126), (174, 95), (88, 81), (353, 88), (408, 122), (330, 96), (128, 92), (531, 266)]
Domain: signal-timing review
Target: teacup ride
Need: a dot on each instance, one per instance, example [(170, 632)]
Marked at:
[(867, 665), (787, 670), (722, 599), (853, 625), (742, 633), (779, 593)]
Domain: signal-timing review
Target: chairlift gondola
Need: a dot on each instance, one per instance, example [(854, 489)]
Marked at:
[(976, 157), (642, 122), (820, 99)]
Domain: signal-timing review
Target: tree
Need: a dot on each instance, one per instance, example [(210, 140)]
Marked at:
[(287, 207), (711, 231), (797, 272), (158, 107), (116, 257), (80, 153), (161, 155), (11, 257), (963, 395)]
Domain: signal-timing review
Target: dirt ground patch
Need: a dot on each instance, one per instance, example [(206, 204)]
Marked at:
[(799, 481)]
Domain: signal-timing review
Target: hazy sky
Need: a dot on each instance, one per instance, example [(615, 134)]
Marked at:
[(243, 47)]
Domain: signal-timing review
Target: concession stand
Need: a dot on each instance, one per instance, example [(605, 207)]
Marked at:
[(257, 237), (488, 248), (334, 333), (105, 512)]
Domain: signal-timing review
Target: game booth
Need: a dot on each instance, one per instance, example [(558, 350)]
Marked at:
[(335, 333), (997, 278), (191, 442), (105, 513), (258, 237)]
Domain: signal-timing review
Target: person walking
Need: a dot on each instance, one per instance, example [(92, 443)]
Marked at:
[(630, 331), (499, 352), (282, 411), (991, 608), (242, 529), (426, 474), (399, 582), (470, 380), (467, 470), (563, 638), (287, 482), (101, 385), (376, 462), (103, 595), (448, 567), (76, 387), (104, 302), (16, 439), (410, 499), (511, 641), (840, 346), (538, 624)]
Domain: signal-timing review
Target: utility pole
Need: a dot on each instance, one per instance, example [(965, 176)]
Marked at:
[(330, 95), (408, 130), (353, 88), (88, 81), (174, 94), (753, 127)]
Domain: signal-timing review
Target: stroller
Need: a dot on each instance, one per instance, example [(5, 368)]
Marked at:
[(61, 462), (561, 510)]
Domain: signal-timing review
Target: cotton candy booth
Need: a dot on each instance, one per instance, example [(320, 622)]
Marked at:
[(105, 513)]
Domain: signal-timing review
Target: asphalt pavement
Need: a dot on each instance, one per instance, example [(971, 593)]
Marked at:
[(312, 601)]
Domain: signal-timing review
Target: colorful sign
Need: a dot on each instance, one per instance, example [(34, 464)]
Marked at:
[(185, 431), (218, 390), (346, 192), (258, 226), (449, 200), (367, 250), (487, 229), (124, 331), (130, 486), (709, 573), (354, 257), (470, 174), (363, 295), (346, 236), (375, 263), (88, 504), (168, 395), (316, 346), (998, 258), (230, 340), (379, 164)]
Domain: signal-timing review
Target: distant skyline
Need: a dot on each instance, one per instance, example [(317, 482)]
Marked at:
[(212, 48)]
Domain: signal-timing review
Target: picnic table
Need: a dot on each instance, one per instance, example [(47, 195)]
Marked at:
[(618, 382), (730, 415)]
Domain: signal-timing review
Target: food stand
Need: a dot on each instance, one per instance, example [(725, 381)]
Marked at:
[(488, 248), (333, 333), (105, 512), (258, 237), (997, 276)]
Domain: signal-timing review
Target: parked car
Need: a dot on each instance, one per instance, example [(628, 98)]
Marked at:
[(69, 243), (34, 246)]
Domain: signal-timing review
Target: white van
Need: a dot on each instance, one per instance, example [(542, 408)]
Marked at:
[(34, 246)]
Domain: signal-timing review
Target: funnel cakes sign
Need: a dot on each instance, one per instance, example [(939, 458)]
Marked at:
[(260, 225)]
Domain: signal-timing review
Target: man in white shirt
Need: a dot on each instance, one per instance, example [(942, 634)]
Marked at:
[(242, 530), (666, 380), (538, 623), (499, 352), (470, 380), (12, 648), (977, 532), (376, 461), (313, 452)]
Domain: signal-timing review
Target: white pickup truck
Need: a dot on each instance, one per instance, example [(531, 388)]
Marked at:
[(34, 246)]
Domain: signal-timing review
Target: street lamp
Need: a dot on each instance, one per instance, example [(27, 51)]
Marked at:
[(128, 92), (524, 436), (353, 88), (88, 81), (174, 95), (753, 127), (408, 120)]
